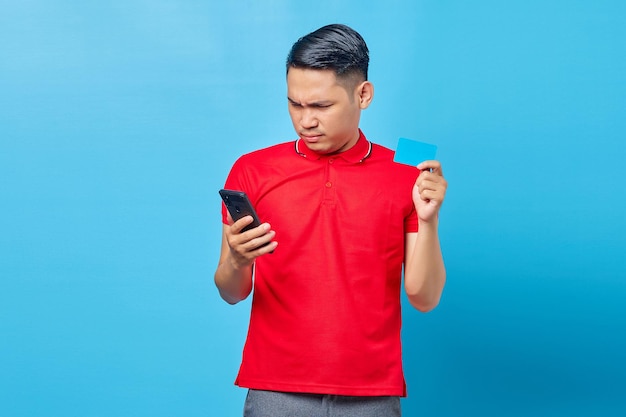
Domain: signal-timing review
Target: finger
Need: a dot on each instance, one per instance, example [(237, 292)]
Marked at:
[(429, 180), (425, 176), (245, 244), (259, 245), (432, 166), (238, 226), (260, 235), (431, 194)]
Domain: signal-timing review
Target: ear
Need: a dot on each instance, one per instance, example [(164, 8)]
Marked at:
[(365, 94)]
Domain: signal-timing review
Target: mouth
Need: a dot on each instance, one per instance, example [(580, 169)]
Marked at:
[(311, 137)]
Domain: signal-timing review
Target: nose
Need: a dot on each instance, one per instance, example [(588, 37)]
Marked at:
[(308, 119)]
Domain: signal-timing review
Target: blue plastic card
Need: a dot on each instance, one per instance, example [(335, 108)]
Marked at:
[(412, 152)]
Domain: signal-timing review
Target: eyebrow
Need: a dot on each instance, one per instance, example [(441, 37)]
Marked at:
[(320, 103)]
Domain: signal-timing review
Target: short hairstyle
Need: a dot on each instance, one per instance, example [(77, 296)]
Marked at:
[(333, 47)]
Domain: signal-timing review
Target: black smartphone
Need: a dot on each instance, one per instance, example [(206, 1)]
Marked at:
[(238, 206)]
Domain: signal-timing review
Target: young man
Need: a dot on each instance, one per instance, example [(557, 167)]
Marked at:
[(341, 219)]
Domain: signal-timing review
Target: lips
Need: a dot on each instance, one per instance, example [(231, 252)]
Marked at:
[(310, 137)]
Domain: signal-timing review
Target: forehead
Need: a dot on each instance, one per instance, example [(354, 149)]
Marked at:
[(304, 84)]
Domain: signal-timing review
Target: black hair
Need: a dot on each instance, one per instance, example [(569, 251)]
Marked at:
[(333, 47)]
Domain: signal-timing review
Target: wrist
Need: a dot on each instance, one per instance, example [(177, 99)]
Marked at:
[(428, 225), (237, 264)]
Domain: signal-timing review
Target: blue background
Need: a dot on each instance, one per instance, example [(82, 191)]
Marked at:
[(119, 121)]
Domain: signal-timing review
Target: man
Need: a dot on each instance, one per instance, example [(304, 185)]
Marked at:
[(341, 220)]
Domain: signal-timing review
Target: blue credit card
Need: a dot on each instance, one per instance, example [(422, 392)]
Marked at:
[(413, 152)]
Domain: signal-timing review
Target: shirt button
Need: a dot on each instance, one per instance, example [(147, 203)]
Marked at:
[(331, 160), (329, 184)]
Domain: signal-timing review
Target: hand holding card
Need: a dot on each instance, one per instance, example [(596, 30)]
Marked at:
[(430, 189)]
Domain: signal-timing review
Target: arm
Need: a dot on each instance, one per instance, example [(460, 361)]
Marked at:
[(233, 276), (424, 269)]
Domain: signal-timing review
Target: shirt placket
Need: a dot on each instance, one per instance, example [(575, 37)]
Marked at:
[(330, 181)]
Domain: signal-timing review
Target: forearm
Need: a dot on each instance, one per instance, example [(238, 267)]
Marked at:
[(424, 270), (234, 283)]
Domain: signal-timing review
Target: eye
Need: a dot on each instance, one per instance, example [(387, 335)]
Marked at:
[(294, 104)]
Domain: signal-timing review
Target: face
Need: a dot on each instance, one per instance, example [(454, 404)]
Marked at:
[(324, 112)]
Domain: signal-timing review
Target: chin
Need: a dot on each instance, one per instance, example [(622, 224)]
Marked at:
[(321, 149), (315, 146)]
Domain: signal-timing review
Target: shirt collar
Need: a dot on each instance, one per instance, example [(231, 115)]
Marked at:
[(361, 150)]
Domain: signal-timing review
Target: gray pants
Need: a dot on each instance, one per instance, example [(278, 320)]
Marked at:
[(285, 404)]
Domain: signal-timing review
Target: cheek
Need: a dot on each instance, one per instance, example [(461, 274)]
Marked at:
[(341, 120)]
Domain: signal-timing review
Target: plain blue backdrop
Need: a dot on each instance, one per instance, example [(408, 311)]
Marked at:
[(119, 121)]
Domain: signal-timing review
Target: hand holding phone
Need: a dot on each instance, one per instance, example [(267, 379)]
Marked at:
[(239, 206)]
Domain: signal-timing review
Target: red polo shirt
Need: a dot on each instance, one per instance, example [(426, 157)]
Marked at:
[(326, 304)]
